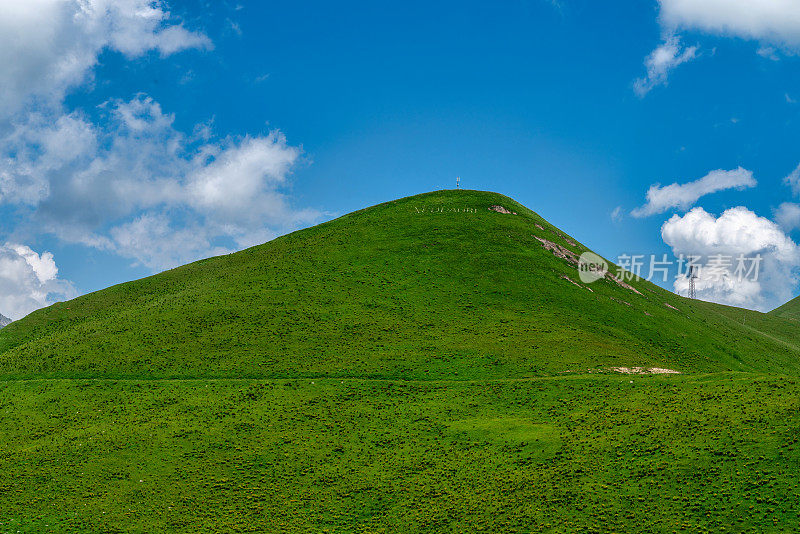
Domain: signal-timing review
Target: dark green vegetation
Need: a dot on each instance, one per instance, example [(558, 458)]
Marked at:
[(422, 365)]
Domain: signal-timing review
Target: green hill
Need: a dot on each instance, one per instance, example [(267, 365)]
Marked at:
[(430, 286), (790, 310), (425, 365)]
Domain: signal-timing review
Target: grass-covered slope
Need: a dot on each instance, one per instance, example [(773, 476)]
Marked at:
[(430, 286), (419, 366), (595, 453), (790, 310)]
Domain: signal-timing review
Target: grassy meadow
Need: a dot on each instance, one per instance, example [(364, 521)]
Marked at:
[(422, 365), (586, 453)]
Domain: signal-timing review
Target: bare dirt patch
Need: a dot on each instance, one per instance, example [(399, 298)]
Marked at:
[(622, 284), (573, 282), (566, 254), (501, 209), (567, 240), (558, 250), (644, 371)]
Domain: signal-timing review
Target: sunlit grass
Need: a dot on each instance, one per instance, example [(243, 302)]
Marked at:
[(419, 366)]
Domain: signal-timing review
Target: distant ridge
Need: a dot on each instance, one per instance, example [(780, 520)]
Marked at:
[(790, 310), (4, 321)]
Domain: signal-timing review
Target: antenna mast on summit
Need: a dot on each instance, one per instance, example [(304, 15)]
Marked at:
[(458, 182), (692, 278)]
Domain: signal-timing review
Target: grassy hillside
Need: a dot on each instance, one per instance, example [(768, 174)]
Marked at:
[(790, 310), (426, 365), (430, 286)]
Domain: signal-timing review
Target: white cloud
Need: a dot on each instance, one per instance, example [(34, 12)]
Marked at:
[(683, 196), (617, 214), (769, 21), (239, 180), (50, 46), (152, 240), (142, 189), (71, 176), (793, 180), (28, 281), (787, 215), (768, 52), (37, 147), (775, 24), (44, 267), (102, 175), (738, 231), (127, 181), (661, 61)]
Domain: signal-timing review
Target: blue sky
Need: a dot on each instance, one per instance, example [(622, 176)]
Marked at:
[(137, 135)]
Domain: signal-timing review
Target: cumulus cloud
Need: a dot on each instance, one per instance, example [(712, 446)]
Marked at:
[(153, 241), (143, 189), (769, 21), (28, 281), (683, 196), (738, 232), (661, 61), (774, 24), (50, 46), (126, 180), (238, 180), (787, 215)]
